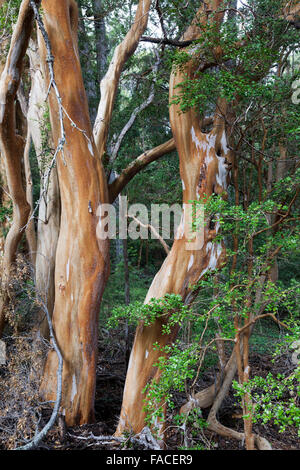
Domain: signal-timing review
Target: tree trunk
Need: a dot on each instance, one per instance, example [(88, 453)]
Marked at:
[(204, 165), (82, 261), (12, 145), (30, 230), (49, 207)]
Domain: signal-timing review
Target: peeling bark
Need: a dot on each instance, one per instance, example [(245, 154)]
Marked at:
[(30, 229), (12, 145), (204, 166), (49, 207), (82, 262)]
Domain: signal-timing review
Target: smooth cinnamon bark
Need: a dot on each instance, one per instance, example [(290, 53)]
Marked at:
[(204, 165), (82, 262), (12, 144)]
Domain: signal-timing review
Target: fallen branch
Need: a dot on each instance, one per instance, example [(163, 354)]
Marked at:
[(144, 438)]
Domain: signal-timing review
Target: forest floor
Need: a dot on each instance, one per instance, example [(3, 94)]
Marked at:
[(110, 382)]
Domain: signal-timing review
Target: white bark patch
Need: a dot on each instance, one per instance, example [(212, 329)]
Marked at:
[(195, 139), (211, 141), (122, 422), (221, 177), (168, 273), (216, 250), (217, 226), (208, 246), (68, 269), (130, 361), (191, 262), (183, 185), (74, 388), (146, 353), (224, 143), (213, 260), (90, 147), (180, 229)]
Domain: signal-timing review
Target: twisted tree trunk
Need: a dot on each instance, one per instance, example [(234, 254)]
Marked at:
[(82, 261), (12, 145), (204, 165)]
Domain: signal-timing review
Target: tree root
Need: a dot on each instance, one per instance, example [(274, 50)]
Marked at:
[(260, 442), (213, 396)]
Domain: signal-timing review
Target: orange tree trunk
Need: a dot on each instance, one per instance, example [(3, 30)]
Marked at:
[(12, 146), (82, 261), (204, 166)]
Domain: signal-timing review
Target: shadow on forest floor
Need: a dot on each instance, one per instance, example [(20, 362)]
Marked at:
[(110, 382)]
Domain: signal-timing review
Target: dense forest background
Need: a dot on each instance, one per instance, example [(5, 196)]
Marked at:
[(227, 377)]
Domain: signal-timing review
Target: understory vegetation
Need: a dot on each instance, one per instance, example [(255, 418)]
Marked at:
[(226, 373)]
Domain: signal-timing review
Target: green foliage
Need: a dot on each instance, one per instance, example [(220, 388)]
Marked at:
[(252, 43), (170, 309), (6, 212), (176, 364), (8, 16), (276, 399)]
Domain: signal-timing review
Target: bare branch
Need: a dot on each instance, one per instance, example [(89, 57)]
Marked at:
[(135, 113), (167, 42), (110, 82), (154, 231), (144, 438)]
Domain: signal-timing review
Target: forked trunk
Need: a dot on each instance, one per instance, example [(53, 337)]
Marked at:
[(82, 261), (204, 166)]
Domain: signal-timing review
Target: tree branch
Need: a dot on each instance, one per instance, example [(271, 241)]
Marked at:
[(137, 165), (156, 234), (134, 115), (110, 82), (167, 42), (11, 144)]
